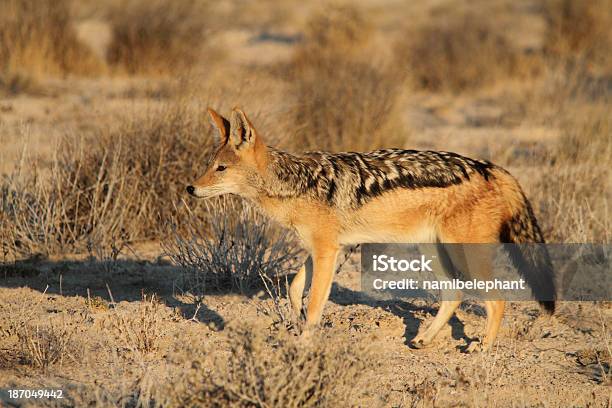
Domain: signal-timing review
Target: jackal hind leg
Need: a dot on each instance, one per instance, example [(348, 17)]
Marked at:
[(451, 298), (447, 308), (478, 264), (495, 315)]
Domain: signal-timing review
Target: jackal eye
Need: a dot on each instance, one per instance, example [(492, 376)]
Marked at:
[(221, 167)]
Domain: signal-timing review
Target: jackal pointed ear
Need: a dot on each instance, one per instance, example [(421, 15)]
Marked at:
[(242, 132), (222, 125)]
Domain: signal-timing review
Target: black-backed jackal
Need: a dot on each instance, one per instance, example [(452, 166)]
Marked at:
[(389, 195)]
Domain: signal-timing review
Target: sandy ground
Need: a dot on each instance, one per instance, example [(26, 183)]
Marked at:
[(538, 360)]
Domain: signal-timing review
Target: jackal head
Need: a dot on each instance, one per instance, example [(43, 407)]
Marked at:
[(238, 165)]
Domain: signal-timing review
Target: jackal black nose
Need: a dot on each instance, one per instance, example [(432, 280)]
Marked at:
[(190, 189)]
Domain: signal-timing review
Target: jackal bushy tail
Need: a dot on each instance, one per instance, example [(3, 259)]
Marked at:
[(529, 254)]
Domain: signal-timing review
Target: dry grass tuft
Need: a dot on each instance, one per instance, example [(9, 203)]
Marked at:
[(160, 36), (13, 83), (283, 372), (239, 249), (586, 137), (278, 305), (43, 346), (464, 53), (337, 27), (344, 101), (574, 204), (40, 345), (140, 331), (579, 29), (38, 38)]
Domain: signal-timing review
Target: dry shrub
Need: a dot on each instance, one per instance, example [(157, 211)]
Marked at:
[(586, 137), (275, 372), (155, 157), (277, 307), (120, 387), (57, 214), (14, 83), (574, 203), (37, 218), (344, 101), (44, 346), (140, 331), (456, 54), (157, 36), (270, 15), (107, 256), (40, 346), (239, 248), (99, 395), (573, 193), (579, 29), (335, 28), (123, 182), (563, 92), (36, 38)]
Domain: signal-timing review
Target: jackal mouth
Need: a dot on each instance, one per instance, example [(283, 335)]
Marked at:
[(204, 192)]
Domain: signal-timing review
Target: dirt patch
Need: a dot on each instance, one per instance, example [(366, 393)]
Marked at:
[(146, 325)]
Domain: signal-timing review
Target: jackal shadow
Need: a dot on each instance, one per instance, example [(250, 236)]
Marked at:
[(404, 309), (112, 281)]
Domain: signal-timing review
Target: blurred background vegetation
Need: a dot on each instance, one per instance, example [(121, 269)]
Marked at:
[(102, 107)]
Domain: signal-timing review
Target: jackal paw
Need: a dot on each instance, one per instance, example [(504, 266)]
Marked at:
[(307, 334), (475, 347), (299, 311), (419, 343)]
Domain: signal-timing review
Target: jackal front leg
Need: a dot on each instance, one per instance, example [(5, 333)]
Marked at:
[(324, 262), (300, 282)]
